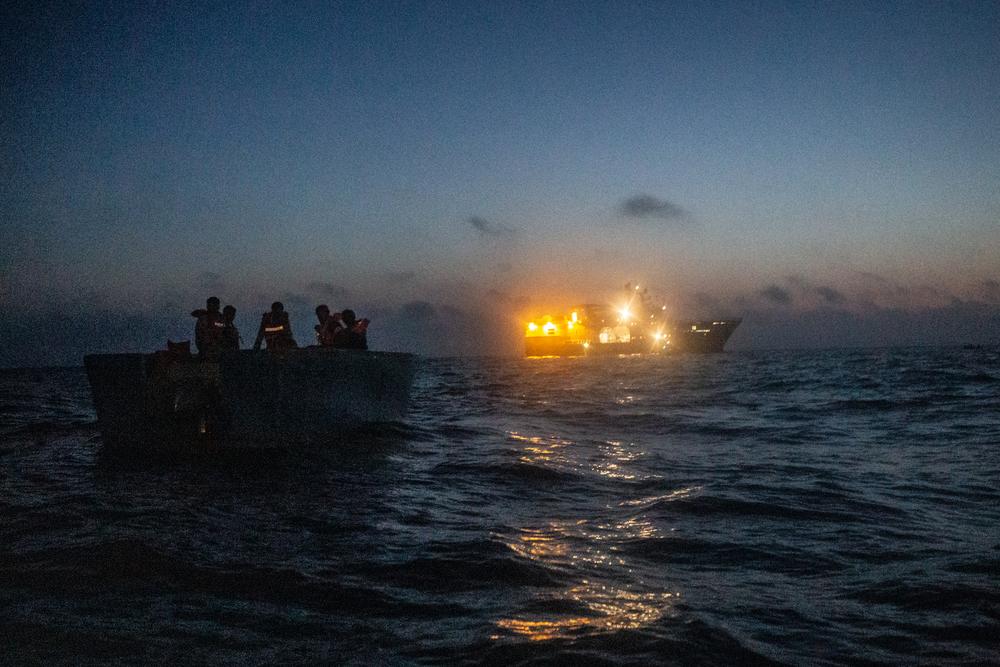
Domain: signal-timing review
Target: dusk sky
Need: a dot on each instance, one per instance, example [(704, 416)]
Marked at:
[(828, 171)]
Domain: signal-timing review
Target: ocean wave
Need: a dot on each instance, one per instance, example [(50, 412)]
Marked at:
[(738, 508), (918, 594), (712, 505), (464, 573), (669, 641)]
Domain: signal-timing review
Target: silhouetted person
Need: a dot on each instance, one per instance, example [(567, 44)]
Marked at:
[(208, 328), (354, 334), (275, 329), (328, 325), (230, 334)]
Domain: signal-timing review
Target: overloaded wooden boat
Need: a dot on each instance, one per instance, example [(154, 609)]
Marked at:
[(245, 398)]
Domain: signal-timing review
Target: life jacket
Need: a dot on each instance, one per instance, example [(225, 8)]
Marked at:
[(277, 331), (326, 332), (208, 330), (354, 338), (230, 337)]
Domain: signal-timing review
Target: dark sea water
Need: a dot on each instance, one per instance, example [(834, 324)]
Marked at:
[(790, 507)]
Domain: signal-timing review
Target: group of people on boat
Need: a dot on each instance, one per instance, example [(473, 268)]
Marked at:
[(216, 331), (343, 329)]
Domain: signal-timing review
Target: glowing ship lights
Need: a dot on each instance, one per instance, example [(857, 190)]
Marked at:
[(633, 328)]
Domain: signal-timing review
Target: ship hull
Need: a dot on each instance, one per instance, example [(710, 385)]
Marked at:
[(246, 398), (703, 337), (698, 337), (547, 347)]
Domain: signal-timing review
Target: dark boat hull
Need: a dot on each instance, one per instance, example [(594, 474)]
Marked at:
[(246, 398), (703, 336)]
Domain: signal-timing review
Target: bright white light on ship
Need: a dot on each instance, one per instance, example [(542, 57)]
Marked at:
[(532, 326), (586, 345), (573, 316), (625, 313), (549, 328)]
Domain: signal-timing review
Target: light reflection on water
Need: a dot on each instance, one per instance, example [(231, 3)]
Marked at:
[(540, 450), (608, 609), (845, 500), (588, 549), (607, 596), (616, 459), (650, 500), (632, 528), (536, 544)]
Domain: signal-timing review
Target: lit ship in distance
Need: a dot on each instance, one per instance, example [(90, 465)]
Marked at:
[(591, 329)]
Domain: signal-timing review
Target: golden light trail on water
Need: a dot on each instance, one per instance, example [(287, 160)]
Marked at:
[(607, 597), (609, 609)]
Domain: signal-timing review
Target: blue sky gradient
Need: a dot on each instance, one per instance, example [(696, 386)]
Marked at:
[(480, 160)]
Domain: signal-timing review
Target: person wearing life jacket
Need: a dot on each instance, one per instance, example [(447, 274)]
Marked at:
[(208, 328), (230, 339), (354, 334), (276, 330), (328, 325)]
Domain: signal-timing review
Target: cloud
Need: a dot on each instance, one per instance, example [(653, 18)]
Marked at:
[(829, 294), (417, 311), (873, 290), (401, 276), (957, 323), (445, 329), (803, 289), (607, 256), (508, 303), (871, 277), (295, 302), (645, 206), (328, 290), (487, 322), (497, 296), (703, 300), (776, 294), (211, 281), (491, 229), (93, 331), (990, 290)]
